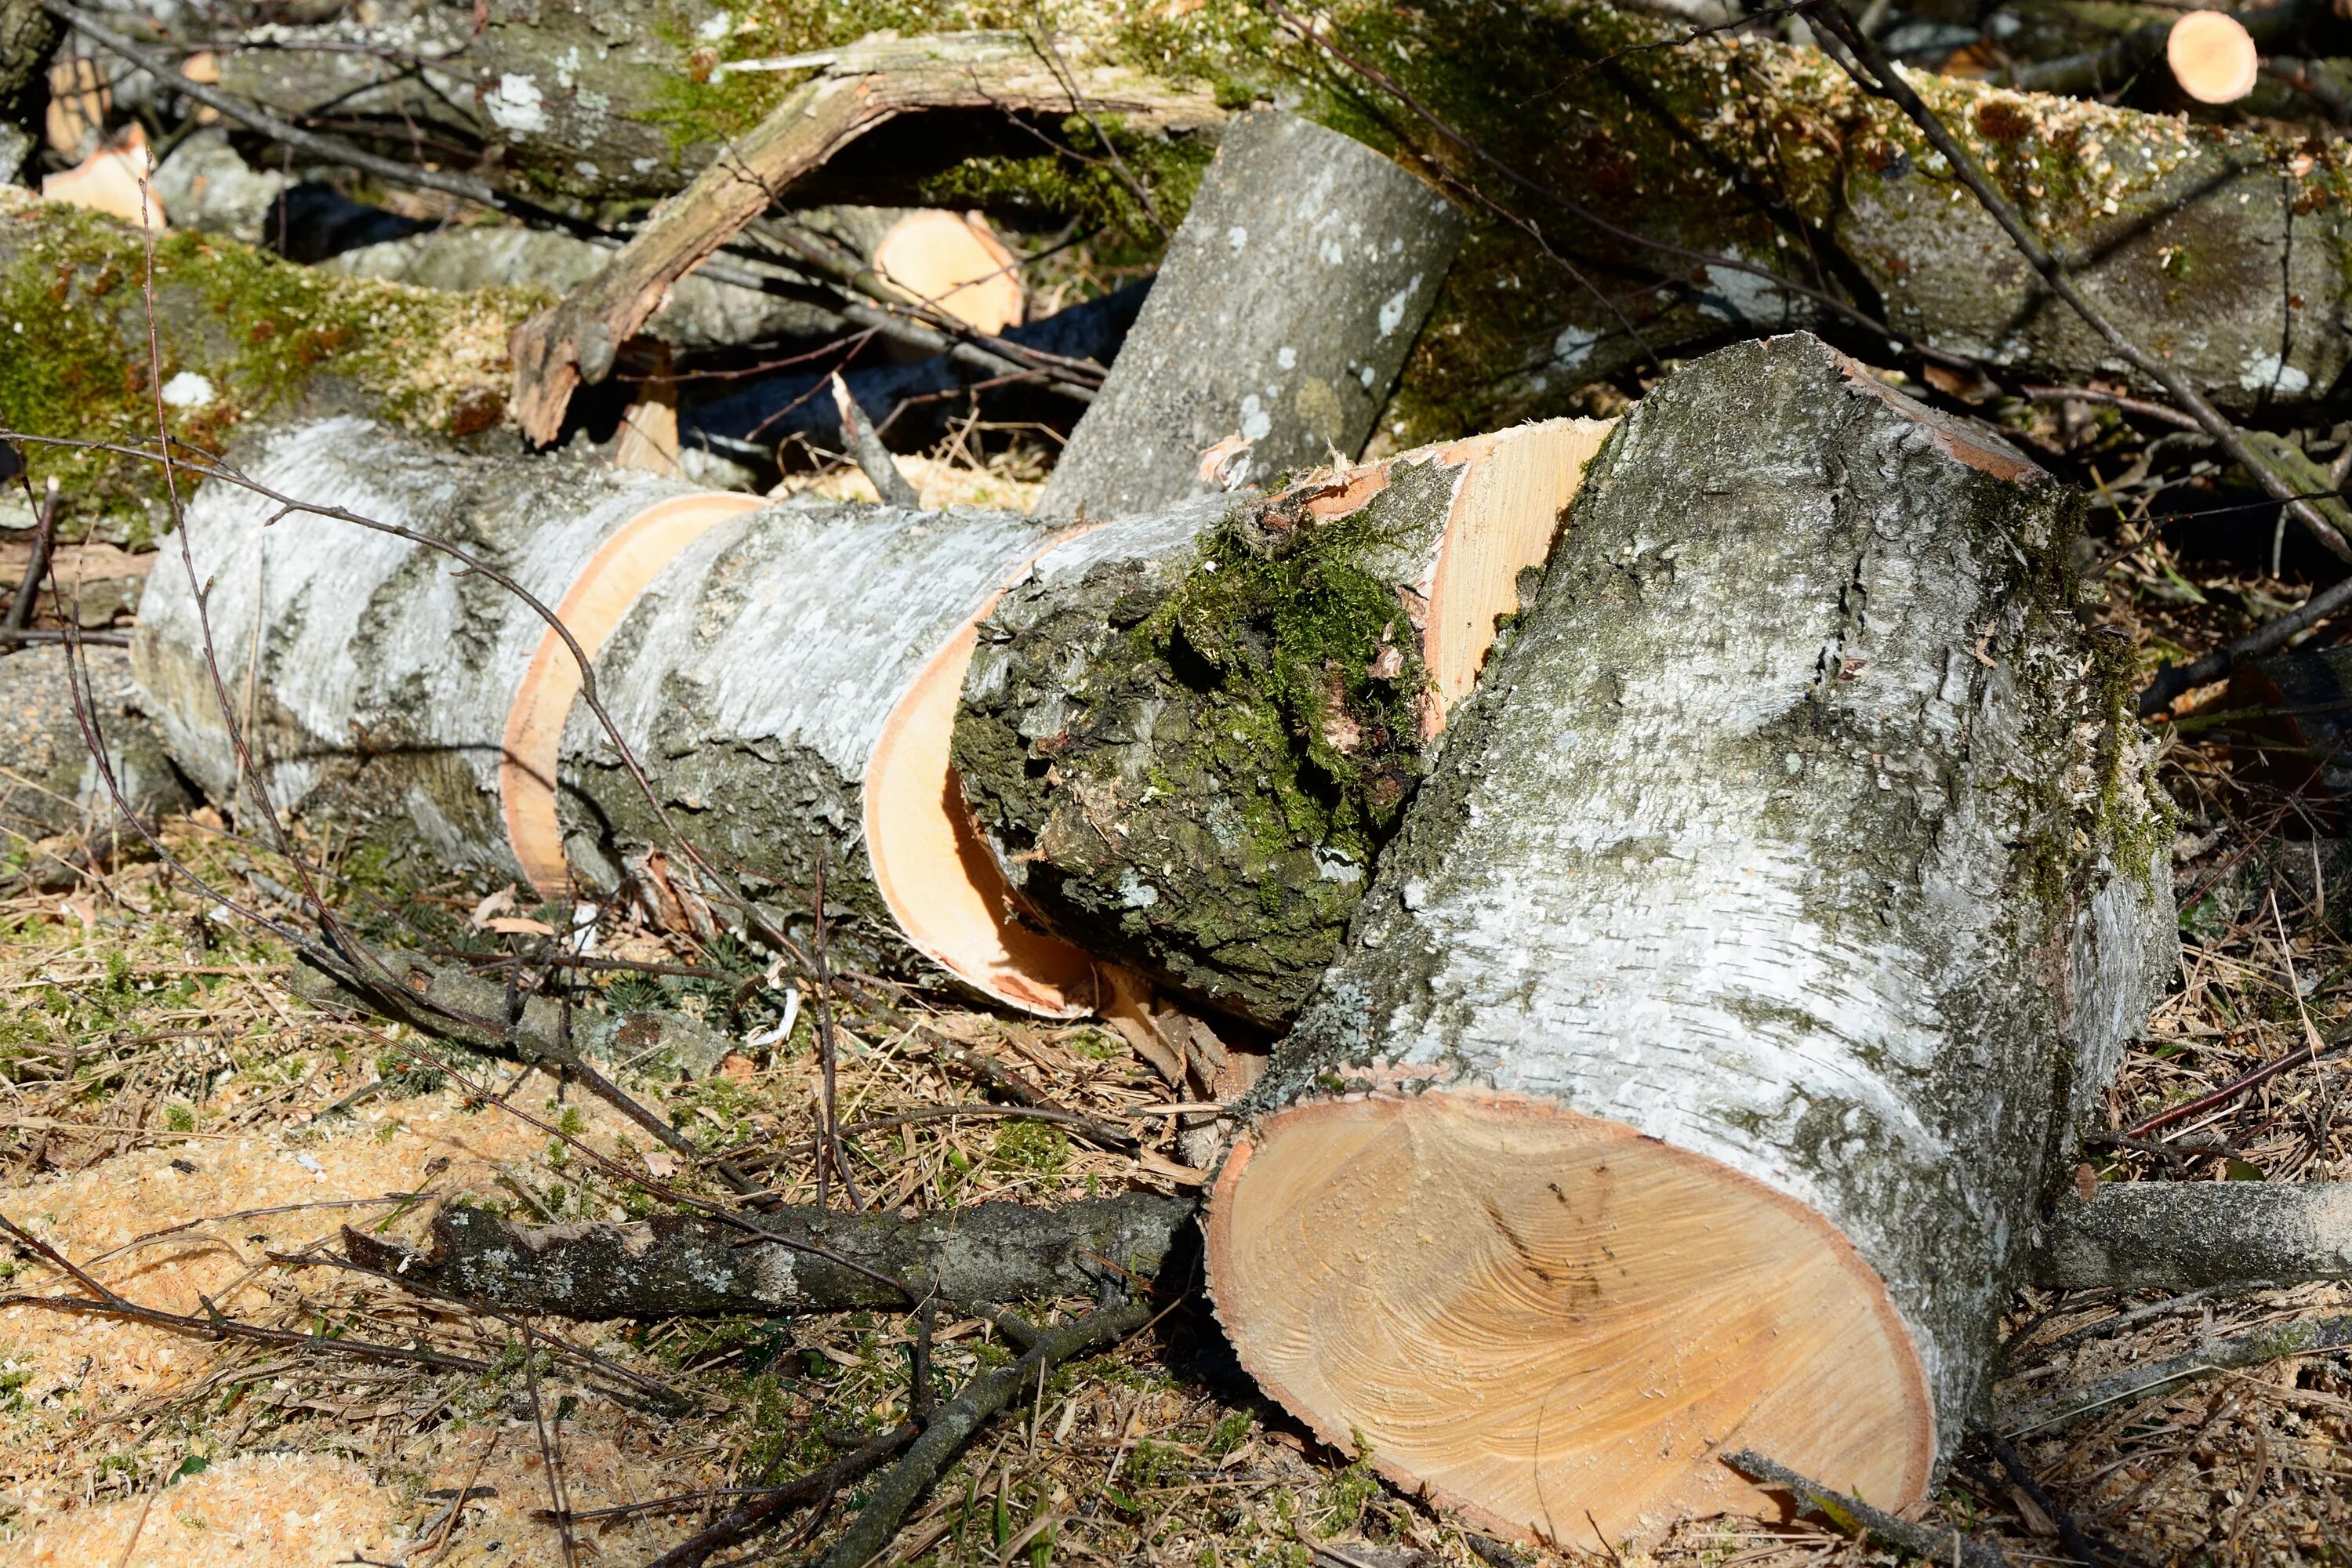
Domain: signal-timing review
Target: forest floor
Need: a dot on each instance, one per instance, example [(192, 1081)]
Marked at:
[(178, 1126)]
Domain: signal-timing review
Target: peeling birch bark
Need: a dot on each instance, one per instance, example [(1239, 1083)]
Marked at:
[(1713, 1032)]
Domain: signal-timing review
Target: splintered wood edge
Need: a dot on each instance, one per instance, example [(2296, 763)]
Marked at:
[(531, 749), (2212, 57), (1764, 1328), (934, 868), (1507, 513)]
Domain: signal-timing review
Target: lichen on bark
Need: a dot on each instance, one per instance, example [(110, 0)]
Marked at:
[(1188, 760)]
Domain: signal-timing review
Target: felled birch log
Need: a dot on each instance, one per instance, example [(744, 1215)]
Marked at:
[(785, 674), (1714, 1030), (1281, 316), (1185, 749)]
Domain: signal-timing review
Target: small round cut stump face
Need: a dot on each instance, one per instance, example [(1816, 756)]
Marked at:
[(1532, 1313)]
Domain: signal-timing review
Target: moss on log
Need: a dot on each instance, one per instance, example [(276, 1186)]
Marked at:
[(1186, 746), (241, 335), (2224, 249)]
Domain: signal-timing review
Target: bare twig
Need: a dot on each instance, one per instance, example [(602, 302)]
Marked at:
[(955, 1422), (857, 434), (1854, 1516), (2308, 1336)]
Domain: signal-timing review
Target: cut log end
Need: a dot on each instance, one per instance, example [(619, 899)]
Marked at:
[(2212, 57), (955, 261), (935, 872), (1543, 1314)]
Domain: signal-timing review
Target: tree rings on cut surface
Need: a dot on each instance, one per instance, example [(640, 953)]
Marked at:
[(1610, 1313), (2212, 57)]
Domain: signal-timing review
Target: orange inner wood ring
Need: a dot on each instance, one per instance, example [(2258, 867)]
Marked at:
[(607, 586)]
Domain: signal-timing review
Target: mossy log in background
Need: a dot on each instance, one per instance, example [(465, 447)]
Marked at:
[(2225, 250), (1722, 1017), (240, 334)]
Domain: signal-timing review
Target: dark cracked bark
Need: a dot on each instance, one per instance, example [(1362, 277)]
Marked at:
[(992, 1252), (1186, 740)]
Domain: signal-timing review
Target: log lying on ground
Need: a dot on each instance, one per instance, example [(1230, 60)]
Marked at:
[(1716, 1027), (989, 1253), (762, 662), (699, 312), (49, 781), (1186, 749), (2199, 240), (2186, 1235), (1281, 314)]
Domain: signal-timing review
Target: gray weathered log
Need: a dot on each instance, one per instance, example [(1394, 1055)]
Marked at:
[(2185, 1236), (678, 1265), (700, 313), (1801, 827), (49, 783), (1282, 314)]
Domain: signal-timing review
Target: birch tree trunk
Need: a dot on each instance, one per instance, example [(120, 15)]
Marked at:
[(755, 658), (1712, 1031)]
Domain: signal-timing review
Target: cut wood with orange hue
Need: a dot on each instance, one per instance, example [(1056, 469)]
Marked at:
[(1186, 738), (954, 262), (113, 181), (2212, 57), (1719, 1022), (854, 89)]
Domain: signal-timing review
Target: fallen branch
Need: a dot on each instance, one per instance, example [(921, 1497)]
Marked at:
[(790, 1261), (853, 90), (1855, 1516), (2308, 1336), (747, 1518), (953, 1424)]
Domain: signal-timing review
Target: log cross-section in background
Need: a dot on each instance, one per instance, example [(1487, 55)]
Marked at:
[(1714, 1029)]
